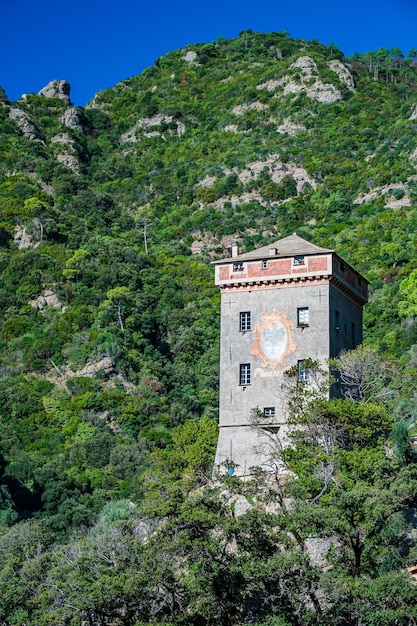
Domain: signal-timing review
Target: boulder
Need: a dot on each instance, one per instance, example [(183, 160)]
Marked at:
[(57, 89)]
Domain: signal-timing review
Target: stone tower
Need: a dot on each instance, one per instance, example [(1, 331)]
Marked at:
[(280, 305)]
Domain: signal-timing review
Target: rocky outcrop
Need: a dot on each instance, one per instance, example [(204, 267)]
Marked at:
[(277, 171), (70, 160), (180, 128), (322, 92), (25, 124), (62, 139), (231, 128), (207, 181), (290, 128), (396, 195), (238, 504), (307, 65), (104, 365), (57, 89), (318, 549), (270, 85), (308, 81), (72, 119), (151, 122), (96, 103), (240, 109), (191, 57), (47, 298), (66, 152), (29, 236), (343, 73)]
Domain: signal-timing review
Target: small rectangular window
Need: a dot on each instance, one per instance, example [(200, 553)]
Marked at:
[(342, 266), (244, 321), (245, 373), (299, 260), (303, 373), (238, 267), (269, 411), (303, 317), (337, 320), (265, 264)]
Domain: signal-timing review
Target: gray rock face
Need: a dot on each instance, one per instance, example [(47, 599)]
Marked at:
[(66, 152), (57, 89), (25, 124), (317, 550), (47, 298), (68, 159), (308, 81), (26, 237), (343, 73), (191, 57), (71, 119)]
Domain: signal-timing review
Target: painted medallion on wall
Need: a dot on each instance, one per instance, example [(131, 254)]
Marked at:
[(273, 339)]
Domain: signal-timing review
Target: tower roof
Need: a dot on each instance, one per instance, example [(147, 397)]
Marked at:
[(294, 245)]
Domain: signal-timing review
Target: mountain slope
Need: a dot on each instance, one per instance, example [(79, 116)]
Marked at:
[(111, 215)]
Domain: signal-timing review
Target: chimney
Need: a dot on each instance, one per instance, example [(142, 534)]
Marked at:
[(273, 251), (235, 250)]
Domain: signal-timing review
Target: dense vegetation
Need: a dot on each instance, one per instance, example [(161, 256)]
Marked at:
[(110, 216)]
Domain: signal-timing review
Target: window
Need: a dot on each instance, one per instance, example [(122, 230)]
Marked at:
[(265, 264), (303, 317), (244, 321), (299, 260), (245, 373), (342, 266), (238, 267), (303, 374), (337, 320), (269, 411)]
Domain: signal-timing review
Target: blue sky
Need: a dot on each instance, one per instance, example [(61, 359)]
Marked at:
[(95, 44)]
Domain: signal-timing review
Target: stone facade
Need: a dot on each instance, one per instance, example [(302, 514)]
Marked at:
[(280, 304)]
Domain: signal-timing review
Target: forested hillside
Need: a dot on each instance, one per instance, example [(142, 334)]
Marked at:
[(110, 217)]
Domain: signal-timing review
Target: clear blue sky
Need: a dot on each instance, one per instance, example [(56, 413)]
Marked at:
[(95, 44)]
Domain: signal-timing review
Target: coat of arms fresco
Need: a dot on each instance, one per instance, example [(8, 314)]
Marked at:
[(273, 339)]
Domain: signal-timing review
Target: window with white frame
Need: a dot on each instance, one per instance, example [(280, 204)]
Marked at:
[(303, 317), (303, 373), (265, 264), (245, 374), (269, 411), (299, 260), (244, 321), (238, 266)]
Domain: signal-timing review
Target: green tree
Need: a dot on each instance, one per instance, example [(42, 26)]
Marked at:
[(408, 291), (73, 264), (115, 298)]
